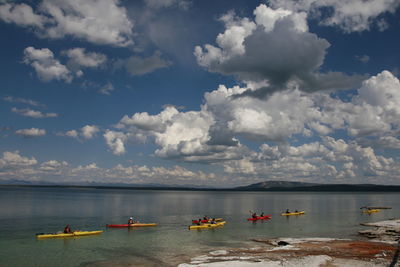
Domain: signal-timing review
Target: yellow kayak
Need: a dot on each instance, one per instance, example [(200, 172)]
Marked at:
[(371, 211), (76, 233), (206, 225), (293, 213)]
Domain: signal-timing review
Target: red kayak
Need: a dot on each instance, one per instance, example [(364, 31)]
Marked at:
[(206, 221), (266, 217)]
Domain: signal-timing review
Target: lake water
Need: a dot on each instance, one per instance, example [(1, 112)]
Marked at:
[(26, 211)]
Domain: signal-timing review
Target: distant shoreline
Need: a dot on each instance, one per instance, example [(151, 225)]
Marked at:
[(315, 188)]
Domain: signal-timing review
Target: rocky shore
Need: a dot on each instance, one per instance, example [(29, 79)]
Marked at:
[(301, 252), (385, 231)]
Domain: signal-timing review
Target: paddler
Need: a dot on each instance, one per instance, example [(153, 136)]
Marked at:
[(213, 221), (262, 214), (67, 229), (287, 211), (130, 221), (254, 215)]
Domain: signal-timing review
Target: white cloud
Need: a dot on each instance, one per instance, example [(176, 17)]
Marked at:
[(275, 49), (15, 166), (72, 133), (214, 133), (52, 165), (78, 58), (115, 141), (21, 14), (86, 132), (46, 66), (89, 131), (97, 21), (33, 113), (32, 132), (14, 159), (349, 15)]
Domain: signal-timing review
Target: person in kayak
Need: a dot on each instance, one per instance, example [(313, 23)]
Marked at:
[(287, 211), (67, 229), (205, 218), (262, 214), (296, 211), (254, 215), (130, 221), (213, 221), (199, 222)]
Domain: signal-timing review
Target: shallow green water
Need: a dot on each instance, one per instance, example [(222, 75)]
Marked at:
[(26, 211)]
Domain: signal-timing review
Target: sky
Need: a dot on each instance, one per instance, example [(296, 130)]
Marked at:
[(204, 93)]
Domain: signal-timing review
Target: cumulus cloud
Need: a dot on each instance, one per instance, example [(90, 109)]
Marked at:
[(137, 66), (97, 21), (86, 132), (277, 49), (15, 166), (214, 134), (331, 160), (72, 133), (46, 66), (78, 58), (33, 113), (349, 15), (89, 131), (21, 14), (14, 159), (52, 165), (32, 132), (115, 141)]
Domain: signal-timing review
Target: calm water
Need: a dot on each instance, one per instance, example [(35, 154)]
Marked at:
[(26, 211)]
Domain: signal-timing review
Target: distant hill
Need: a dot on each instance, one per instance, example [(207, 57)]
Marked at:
[(300, 186), (262, 186), (276, 184)]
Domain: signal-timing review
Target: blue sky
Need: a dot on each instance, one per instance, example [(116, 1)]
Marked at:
[(215, 93)]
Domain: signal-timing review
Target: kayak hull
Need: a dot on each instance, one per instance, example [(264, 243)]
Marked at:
[(131, 225), (207, 226), (371, 211), (293, 213), (74, 234), (266, 217)]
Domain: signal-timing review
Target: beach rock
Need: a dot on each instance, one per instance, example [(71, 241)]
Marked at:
[(386, 231), (282, 243)]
